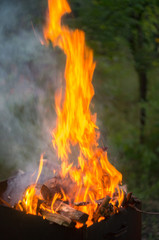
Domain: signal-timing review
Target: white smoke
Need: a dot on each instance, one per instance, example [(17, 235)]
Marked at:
[(28, 75)]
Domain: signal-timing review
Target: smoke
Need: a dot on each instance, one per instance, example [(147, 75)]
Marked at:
[(28, 76)]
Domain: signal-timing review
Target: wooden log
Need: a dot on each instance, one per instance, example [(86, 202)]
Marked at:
[(78, 204), (46, 193), (51, 187), (128, 197), (38, 206), (66, 210), (61, 185), (2, 201), (124, 200), (57, 218), (17, 207), (101, 210), (21, 206), (53, 182)]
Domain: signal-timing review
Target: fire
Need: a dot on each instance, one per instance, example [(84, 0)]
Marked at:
[(94, 177), (30, 199)]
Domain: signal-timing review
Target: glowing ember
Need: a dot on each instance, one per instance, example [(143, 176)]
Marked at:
[(94, 177)]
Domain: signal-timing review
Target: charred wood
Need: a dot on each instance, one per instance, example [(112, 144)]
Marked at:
[(46, 193), (78, 204), (128, 197), (51, 187), (66, 210), (57, 218), (102, 210)]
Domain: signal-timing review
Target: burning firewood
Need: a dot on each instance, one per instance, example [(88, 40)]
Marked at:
[(2, 201), (127, 199), (62, 209), (68, 211), (57, 218), (20, 206), (45, 191), (78, 204), (102, 210), (57, 185), (48, 193)]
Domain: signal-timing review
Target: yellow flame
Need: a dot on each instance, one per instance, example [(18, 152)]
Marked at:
[(95, 177), (30, 199)]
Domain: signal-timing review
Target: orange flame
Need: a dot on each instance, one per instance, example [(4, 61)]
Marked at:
[(30, 199), (95, 177)]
